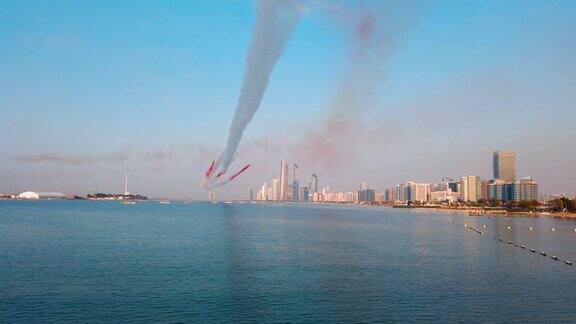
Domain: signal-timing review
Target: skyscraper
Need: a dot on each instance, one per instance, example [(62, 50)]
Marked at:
[(275, 189), (470, 188), (314, 183), (295, 188), (284, 185), (264, 192), (504, 165)]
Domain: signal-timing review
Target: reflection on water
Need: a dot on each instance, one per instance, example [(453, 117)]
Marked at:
[(86, 261)]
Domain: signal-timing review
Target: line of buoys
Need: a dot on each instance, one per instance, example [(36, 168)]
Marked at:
[(555, 258)]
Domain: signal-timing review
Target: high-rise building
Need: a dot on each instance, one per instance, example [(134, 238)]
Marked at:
[(275, 189), (496, 189), (508, 191), (304, 193), (504, 165), (366, 195), (419, 192), (264, 192), (526, 189), (295, 191), (390, 194), (364, 185), (314, 183), (403, 191), (483, 190), (523, 189), (284, 185), (470, 188)]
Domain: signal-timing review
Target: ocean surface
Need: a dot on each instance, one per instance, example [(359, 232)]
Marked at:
[(89, 261)]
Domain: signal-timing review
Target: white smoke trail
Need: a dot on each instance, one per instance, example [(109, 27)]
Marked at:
[(275, 20)]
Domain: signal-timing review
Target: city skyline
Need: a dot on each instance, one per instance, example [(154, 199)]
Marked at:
[(79, 102), (502, 187), (287, 161)]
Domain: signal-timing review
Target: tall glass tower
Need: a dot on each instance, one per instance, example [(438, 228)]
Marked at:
[(504, 165)]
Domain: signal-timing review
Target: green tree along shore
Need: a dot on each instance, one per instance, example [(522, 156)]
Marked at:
[(563, 205), (558, 205)]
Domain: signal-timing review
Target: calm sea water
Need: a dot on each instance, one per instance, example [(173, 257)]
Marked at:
[(106, 262)]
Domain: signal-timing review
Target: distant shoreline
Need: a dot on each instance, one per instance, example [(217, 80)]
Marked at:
[(440, 209)]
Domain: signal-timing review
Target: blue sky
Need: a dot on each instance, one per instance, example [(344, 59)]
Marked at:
[(87, 87)]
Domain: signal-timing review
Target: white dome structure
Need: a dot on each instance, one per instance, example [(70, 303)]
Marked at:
[(29, 195), (41, 195)]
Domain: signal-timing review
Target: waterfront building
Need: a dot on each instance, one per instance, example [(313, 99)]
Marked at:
[(444, 196), (412, 191), (350, 196), (403, 191), (400, 193), (390, 194), (264, 192), (284, 185), (295, 191), (419, 192), (314, 183), (504, 165), (525, 189), (521, 190), (470, 188), (304, 193), (367, 195), (275, 190), (495, 189), (318, 197), (483, 190), (508, 191)]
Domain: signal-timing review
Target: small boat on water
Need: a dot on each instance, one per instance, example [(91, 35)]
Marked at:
[(568, 262)]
